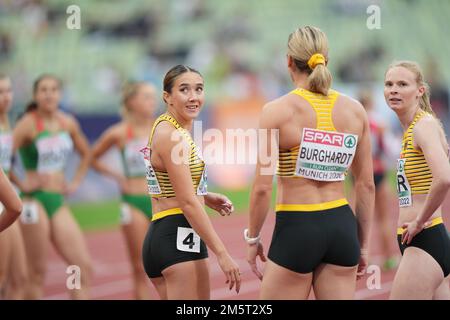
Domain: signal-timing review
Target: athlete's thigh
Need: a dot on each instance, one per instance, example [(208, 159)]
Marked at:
[(68, 237), (418, 276), (187, 280), (35, 228), (334, 282), (281, 283)]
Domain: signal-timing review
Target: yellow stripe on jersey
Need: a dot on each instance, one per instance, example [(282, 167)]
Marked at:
[(323, 106), (416, 168), (196, 164)]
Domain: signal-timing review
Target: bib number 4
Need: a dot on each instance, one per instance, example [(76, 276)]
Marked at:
[(188, 240)]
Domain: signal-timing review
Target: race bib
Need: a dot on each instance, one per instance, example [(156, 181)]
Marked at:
[(30, 213), (188, 240), (6, 151), (152, 181), (202, 189), (134, 160), (125, 214), (403, 187), (325, 155), (53, 152)]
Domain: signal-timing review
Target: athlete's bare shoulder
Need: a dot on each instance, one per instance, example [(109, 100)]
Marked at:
[(163, 134), (277, 111), (351, 103), (26, 121), (116, 131)]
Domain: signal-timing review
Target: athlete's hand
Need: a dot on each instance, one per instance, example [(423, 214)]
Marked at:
[(411, 229), (363, 263), (231, 270), (254, 250), (70, 188), (219, 203)]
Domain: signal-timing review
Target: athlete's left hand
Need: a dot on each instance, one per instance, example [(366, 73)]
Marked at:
[(363, 263), (411, 229), (70, 188), (219, 203)]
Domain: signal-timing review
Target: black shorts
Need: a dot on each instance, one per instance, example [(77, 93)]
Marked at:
[(160, 245), (302, 240), (435, 241), (378, 178)]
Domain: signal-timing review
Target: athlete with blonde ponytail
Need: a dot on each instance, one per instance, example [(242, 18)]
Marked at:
[(317, 242), (130, 136), (423, 179)]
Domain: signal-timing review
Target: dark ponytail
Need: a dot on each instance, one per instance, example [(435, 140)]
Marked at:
[(31, 107)]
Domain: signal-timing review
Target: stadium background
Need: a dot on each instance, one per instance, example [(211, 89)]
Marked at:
[(239, 47)]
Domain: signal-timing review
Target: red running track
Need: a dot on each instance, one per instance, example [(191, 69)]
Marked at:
[(112, 272)]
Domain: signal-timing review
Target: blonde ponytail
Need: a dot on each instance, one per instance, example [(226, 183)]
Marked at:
[(308, 46), (320, 80)]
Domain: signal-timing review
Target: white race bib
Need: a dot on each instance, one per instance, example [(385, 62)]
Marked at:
[(202, 189), (30, 213), (6, 144), (125, 214), (188, 240), (133, 157), (152, 181), (403, 187), (53, 152), (325, 155)]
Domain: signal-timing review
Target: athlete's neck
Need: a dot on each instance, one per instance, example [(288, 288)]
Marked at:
[(4, 122), (300, 80), (407, 116), (47, 115), (185, 123), (137, 121)]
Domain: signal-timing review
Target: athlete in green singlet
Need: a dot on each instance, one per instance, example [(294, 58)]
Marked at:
[(45, 137), (130, 136)]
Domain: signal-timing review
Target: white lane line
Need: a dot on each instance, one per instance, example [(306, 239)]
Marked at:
[(99, 291)]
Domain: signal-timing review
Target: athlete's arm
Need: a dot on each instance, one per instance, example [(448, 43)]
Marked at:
[(106, 141), (362, 170), (426, 135), (82, 146), (11, 202), (262, 185), (21, 136), (166, 140)]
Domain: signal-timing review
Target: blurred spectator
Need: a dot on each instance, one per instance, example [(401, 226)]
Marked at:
[(5, 46), (439, 92), (35, 17), (360, 67)]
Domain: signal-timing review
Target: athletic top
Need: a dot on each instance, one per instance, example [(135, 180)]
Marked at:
[(417, 172), (158, 181), (323, 154), (6, 145), (49, 151), (132, 159)]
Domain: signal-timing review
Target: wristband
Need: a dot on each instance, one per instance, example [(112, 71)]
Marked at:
[(251, 240)]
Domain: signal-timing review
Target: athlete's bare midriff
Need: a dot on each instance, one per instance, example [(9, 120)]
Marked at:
[(408, 214), (161, 204), (53, 182)]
